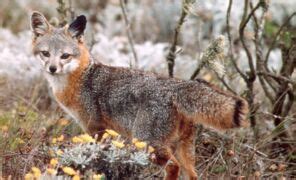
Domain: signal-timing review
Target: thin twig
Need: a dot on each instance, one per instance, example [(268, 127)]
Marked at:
[(30, 157), (242, 27), (129, 33), (287, 69), (256, 151), (258, 42), (225, 84), (277, 77), (276, 36), (291, 98), (230, 53), (252, 73), (270, 114), (246, 146), (172, 52)]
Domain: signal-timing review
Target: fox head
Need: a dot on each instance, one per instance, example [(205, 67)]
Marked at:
[(59, 49)]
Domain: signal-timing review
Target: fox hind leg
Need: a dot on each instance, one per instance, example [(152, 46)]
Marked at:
[(158, 127), (186, 151), (164, 157), (187, 161)]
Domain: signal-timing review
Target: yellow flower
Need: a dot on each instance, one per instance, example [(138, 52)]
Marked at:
[(63, 122), (76, 177), (140, 145), (36, 172), (70, 171), (51, 171), (134, 140), (118, 144), (151, 149), (54, 140), (29, 176), (76, 139), (53, 162), (60, 138), (60, 152), (112, 132), (87, 138), (97, 177), (105, 135)]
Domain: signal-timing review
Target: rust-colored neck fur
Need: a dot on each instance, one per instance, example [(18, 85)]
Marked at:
[(68, 96)]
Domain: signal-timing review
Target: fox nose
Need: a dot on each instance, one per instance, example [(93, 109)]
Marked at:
[(52, 69)]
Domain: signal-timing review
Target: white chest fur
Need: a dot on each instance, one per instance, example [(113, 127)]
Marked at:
[(58, 84)]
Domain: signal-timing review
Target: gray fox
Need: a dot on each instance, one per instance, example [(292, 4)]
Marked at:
[(159, 110)]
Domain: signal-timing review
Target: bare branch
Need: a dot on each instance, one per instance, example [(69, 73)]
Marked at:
[(290, 102), (128, 31), (225, 84), (287, 69), (230, 51), (258, 42), (278, 78), (242, 27), (172, 52), (251, 76), (276, 36)]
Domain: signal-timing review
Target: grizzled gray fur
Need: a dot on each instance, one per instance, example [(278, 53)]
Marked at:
[(144, 102)]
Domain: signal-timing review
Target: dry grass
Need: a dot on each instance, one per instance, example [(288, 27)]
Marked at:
[(27, 133)]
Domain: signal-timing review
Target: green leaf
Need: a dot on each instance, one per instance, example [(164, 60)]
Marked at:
[(218, 169)]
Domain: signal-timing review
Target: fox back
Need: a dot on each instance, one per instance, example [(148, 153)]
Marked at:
[(160, 110), (128, 96)]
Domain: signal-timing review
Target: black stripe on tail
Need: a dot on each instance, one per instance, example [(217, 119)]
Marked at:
[(239, 105)]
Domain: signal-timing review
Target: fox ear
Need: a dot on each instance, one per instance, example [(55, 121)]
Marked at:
[(77, 27), (39, 24)]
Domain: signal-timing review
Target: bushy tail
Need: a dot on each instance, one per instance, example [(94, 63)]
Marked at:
[(213, 107), (233, 115), (228, 110)]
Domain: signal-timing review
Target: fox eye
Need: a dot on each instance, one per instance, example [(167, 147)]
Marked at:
[(65, 56), (45, 53)]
